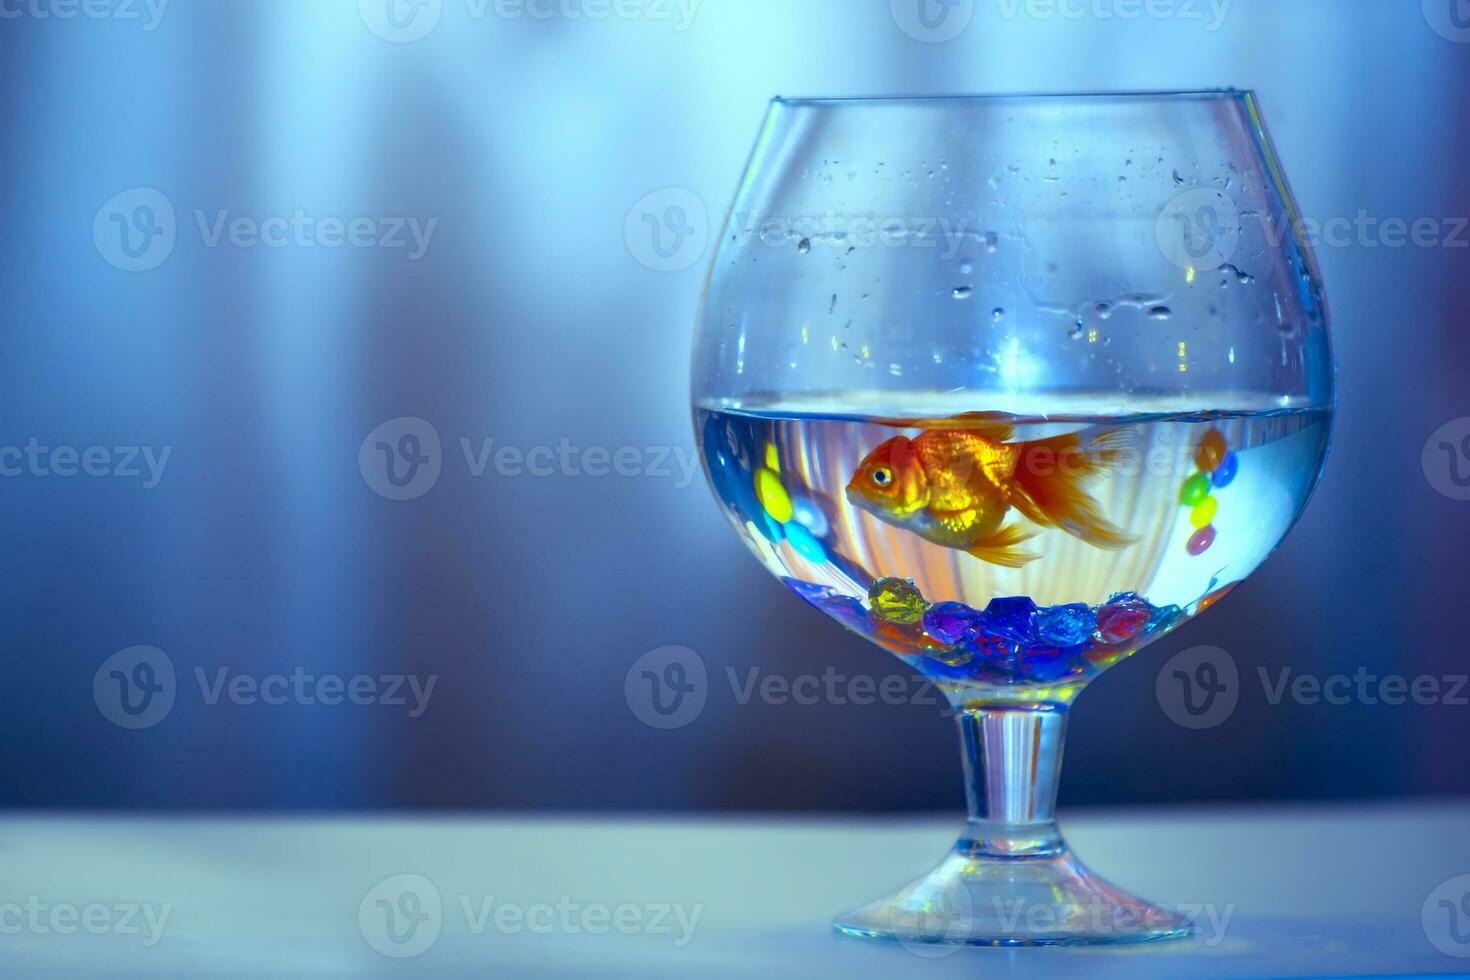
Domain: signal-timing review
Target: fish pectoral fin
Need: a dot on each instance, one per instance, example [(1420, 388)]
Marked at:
[(1003, 548)]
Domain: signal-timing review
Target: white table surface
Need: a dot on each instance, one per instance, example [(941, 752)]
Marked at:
[(1310, 892)]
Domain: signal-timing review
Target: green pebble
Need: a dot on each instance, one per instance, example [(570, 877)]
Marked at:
[(1196, 488), (897, 600)]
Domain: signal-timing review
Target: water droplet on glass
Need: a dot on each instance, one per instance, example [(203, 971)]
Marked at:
[(998, 314), (992, 241), (963, 292), (1160, 313), (967, 267), (1241, 276), (1103, 310), (1178, 179), (804, 246), (1077, 330)]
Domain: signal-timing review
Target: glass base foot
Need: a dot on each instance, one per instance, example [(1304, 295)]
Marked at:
[(985, 900)]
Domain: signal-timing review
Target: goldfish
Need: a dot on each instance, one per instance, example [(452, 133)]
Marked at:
[(955, 484)]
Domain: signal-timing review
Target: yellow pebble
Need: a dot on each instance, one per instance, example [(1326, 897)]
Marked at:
[(1203, 512), (773, 458), (773, 496)]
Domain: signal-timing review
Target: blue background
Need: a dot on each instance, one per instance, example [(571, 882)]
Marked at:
[(531, 320)]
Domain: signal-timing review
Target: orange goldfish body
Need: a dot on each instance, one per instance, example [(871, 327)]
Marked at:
[(955, 486)]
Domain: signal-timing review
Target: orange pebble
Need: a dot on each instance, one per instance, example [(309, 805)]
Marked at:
[(1211, 451), (1214, 597)]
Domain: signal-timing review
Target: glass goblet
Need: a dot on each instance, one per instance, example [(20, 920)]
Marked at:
[(1013, 386)]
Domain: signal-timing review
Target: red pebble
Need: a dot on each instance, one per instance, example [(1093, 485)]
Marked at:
[(1200, 542)]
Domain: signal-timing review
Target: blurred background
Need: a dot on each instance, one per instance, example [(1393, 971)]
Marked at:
[(248, 245)]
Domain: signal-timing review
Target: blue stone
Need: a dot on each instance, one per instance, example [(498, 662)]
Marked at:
[(1226, 471), (847, 611), (805, 544), (1065, 626), (1012, 618), (1166, 618), (724, 470), (810, 516), (1053, 663), (953, 623), (995, 659), (809, 591)]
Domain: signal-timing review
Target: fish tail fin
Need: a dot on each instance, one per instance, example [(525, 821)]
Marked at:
[(1049, 479), (1002, 548)]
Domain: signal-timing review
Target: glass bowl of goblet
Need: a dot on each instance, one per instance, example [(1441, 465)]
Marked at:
[(1013, 387)]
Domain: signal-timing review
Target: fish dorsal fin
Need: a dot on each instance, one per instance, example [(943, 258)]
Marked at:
[(995, 426), (992, 425)]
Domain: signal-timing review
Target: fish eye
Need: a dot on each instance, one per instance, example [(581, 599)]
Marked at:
[(882, 477)]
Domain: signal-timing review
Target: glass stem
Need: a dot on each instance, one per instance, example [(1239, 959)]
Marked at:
[(1013, 758)]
